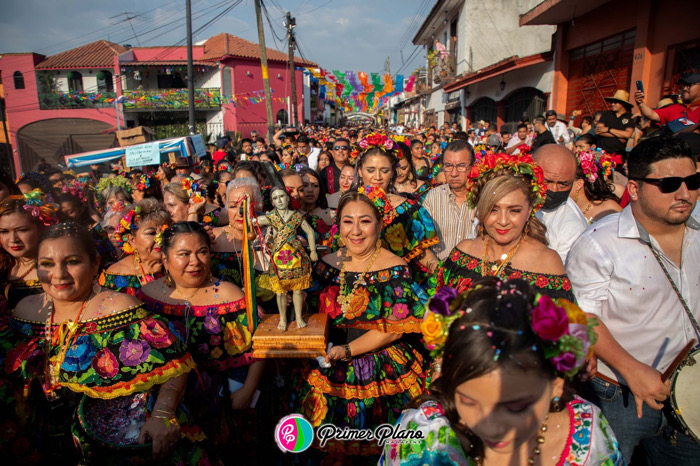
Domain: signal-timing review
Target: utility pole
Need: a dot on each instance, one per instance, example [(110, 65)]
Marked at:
[(291, 22), (10, 158), (265, 73), (388, 66), (190, 71)]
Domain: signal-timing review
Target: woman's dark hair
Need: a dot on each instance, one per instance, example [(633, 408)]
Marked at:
[(586, 138), (406, 151), (321, 201), (250, 166), (37, 180), (495, 332), (652, 150), (80, 235), (415, 142), (9, 183), (393, 159), (272, 155), (168, 172), (180, 228), (352, 195), (85, 218), (600, 190), (153, 191)]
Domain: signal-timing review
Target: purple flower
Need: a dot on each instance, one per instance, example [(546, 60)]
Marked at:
[(364, 367), (212, 324), (440, 304), (564, 362), (549, 321), (203, 348), (580, 331), (398, 292), (134, 352)]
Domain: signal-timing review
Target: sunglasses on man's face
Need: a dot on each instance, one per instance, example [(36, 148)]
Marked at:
[(673, 183), (340, 148)]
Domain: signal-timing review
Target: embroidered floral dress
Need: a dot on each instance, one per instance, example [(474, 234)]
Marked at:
[(322, 231), (128, 284), (591, 440), (371, 389), (290, 266), (460, 270), (228, 266), (411, 232), (212, 218), (419, 194), (110, 367), (218, 338)]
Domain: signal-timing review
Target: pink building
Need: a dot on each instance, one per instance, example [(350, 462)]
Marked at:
[(67, 103)]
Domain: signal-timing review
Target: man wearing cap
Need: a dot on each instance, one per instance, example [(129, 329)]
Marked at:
[(615, 126), (688, 110)]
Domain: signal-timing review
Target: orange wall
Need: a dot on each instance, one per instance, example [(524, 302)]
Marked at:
[(659, 25)]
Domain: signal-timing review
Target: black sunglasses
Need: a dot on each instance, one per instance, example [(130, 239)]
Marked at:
[(340, 148), (673, 183)]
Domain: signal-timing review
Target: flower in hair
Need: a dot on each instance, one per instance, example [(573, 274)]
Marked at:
[(482, 150), (378, 140), (40, 206), (595, 163), (193, 189), (354, 155), (443, 309), (566, 334), (128, 224), (75, 189), (159, 236), (142, 182), (381, 202), (520, 164)]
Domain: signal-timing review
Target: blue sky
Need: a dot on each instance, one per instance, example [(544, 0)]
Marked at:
[(356, 35)]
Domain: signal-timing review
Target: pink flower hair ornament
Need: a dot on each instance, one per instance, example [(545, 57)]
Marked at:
[(40, 206), (382, 142), (563, 332), (595, 163), (127, 225)]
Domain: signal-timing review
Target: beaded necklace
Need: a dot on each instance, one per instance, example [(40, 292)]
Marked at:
[(535, 451)]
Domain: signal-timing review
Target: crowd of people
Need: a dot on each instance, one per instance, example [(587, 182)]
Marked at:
[(514, 299)]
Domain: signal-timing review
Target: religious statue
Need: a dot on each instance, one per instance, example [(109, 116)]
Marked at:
[(290, 267)]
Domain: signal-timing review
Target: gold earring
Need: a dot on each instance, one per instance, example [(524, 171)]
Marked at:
[(168, 279), (341, 243)]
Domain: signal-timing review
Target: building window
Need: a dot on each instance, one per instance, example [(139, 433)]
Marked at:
[(525, 102), (282, 117), (75, 82), (226, 87), (19, 80), (485, 109), (104, 81)]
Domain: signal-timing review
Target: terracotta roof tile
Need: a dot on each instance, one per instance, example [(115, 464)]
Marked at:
[(225, 44), (93, 55)]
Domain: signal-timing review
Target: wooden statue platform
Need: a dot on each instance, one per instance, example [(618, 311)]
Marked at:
[(307, 342)]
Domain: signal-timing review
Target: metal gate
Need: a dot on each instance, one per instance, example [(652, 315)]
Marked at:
[(596, 70)]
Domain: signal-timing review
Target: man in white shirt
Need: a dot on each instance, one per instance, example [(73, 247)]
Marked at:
[(633, 271), (558, 128), (560, 214), (447, 203), (518, 140)]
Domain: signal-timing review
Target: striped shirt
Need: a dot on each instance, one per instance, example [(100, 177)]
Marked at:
[(453, 222)]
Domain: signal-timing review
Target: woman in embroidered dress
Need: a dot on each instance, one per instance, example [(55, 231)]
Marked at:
[(506, 192), (594, 191), (290, 266), (138, 233), (502, 397), (420, 161), (22, 218), (79, 347), (314, 206), (412, 231), (211, 316), (374, 307), (407, 182)]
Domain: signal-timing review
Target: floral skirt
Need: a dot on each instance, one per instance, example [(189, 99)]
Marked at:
[(106, 433), (363, 393)]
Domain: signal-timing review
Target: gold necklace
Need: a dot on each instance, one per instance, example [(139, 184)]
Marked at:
[(345, 299), (188, 298), (495, 269), (23, 276), (535, 451)]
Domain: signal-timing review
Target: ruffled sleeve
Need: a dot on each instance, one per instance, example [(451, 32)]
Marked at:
[(438, 443), (121, 354), (411, 232), (389, 302)]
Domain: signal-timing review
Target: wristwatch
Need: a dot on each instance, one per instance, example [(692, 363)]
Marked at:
[(348, 354)]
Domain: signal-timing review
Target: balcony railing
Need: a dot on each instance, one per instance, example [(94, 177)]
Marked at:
[(170, 99), (442, 69), (74, 100)]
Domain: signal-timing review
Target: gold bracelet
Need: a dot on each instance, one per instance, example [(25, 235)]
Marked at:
[(348, 354)]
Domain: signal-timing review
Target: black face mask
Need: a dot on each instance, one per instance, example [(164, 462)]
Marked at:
[(554, 199)]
